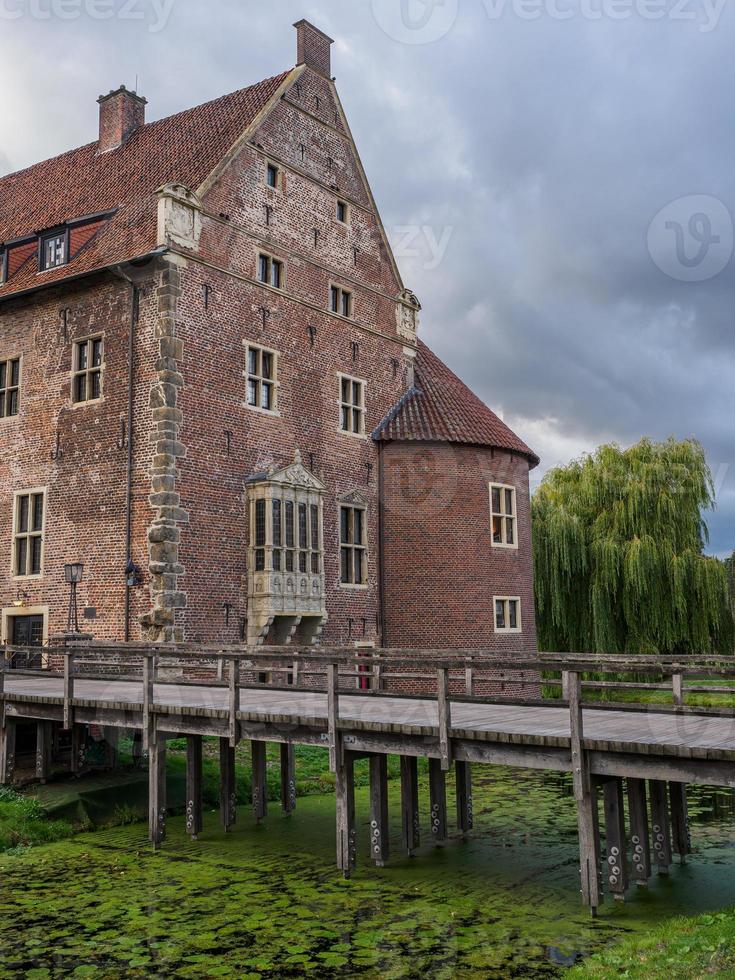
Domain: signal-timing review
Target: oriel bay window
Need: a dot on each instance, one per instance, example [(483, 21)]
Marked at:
[(503, 516), (353, 545), (88, 365), (28, 525), (9, 388)]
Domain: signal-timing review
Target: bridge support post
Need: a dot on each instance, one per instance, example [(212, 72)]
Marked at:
[(465, 816), (260, 783), (112, 739), (288, 777), (44, 739), (7, 752), (379, 832), (681, 839), (617, 858), (585, 793), (345, 798), (660, 826), (78, 748), (410, 804), (640, 836), (194, 821), (157, 789), (438, 800), (227, 797)]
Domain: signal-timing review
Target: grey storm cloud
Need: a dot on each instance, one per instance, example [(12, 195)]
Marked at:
[(519, 158)]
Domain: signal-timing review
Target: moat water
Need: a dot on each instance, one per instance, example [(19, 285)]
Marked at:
[(267, 901)]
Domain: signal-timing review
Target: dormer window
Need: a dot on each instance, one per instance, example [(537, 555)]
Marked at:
[(53, 251)]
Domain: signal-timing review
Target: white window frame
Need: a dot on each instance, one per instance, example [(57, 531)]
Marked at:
[(28, 535), (506, 600), (261, 348), (342, 291), (504, 516), (343, 404), (353, 546), (77, 372), (6, 391), (271, 260)]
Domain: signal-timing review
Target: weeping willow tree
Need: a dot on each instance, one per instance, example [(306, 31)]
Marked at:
[(618, 554)]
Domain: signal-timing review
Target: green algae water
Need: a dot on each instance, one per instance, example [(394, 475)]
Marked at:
[(266, 901)]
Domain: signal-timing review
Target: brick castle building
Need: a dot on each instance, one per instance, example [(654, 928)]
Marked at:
[(212, 395)]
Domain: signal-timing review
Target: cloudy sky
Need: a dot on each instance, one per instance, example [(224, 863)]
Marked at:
[(556, 176)]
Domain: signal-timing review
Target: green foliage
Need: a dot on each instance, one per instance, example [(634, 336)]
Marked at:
[(618, 554), (23, 823)]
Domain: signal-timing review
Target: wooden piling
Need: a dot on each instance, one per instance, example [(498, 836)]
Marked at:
[(288, 777), (640, 837), (465, 814), (78, 749), (194, 803), (157, 789), (379, 830), (585, 793), (438, 800), (112, 740), (680, 836), (617, 859), (44, 736), (259, 783), (345, 800), (660, 825), (7, 752), (227, 798), (410, 822)]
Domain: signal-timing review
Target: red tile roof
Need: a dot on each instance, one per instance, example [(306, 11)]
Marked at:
[(184, 148), (441, 408)]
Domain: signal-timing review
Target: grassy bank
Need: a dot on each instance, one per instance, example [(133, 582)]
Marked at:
[(24, 823), (681, 949)]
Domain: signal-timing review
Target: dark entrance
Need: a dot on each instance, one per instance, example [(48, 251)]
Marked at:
[(26, 631)]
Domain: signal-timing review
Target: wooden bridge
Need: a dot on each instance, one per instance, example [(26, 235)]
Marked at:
[(348, 702)]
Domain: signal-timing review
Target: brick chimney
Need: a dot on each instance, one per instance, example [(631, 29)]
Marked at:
[(121, 113), (314, 48)]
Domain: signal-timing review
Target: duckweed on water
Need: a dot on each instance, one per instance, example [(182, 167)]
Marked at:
[(266, 901)]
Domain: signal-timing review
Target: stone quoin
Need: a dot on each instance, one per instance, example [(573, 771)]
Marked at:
[(214, 396)]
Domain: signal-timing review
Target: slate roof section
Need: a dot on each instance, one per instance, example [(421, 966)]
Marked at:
[(183, 148), (441, 408)]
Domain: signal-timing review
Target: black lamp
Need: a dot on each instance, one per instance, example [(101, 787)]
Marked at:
[(73, 574)]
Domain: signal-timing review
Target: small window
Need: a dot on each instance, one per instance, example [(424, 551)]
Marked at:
[(272, 174), (261, 378), (353, 546), (53, 251), (340, 301), (503, 516), (343, 212), (352, 405), (270, 271), (9, 388), (28, 534), (88, 365), (507, 615)]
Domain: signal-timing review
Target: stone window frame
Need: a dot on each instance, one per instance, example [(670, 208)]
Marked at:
[(504, 516), (340, 291), (77, 372), (8, 389), (341, 404), (353, 502), (344, 206), (16, 534), (272, 260), (275, 384), (272, 165), (506, 600)]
